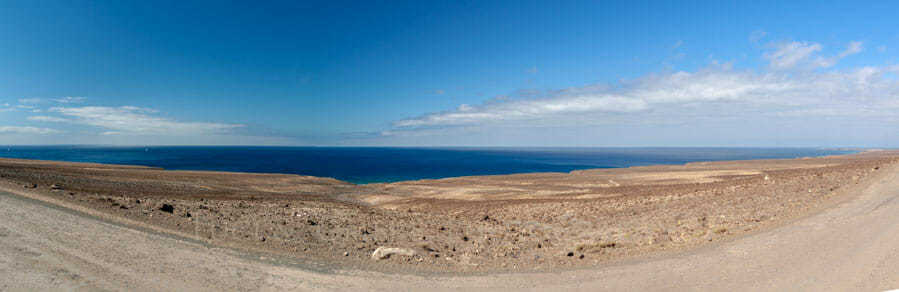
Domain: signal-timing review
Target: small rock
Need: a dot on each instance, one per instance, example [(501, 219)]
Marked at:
[(262, 239), (346, 253), (30, 186), (385, 252), (167, 208), (55, 187), (571, 254)]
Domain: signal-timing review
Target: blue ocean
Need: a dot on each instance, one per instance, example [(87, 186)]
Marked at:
[(371, 164)]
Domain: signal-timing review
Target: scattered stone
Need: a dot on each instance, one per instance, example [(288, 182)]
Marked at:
[(55, 187), (187, 214), (346, 253), (123, 207), (262, 239), (428, 248), (167, 208), (581, 257), (137, 201), (385, 252), (30, 186), (571, 254)]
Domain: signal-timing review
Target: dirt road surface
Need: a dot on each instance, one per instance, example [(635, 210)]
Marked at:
[(851, 246)]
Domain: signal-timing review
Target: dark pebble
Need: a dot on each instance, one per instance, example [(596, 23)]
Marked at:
[(167, 208)]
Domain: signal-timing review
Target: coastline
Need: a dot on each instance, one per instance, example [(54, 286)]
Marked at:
[(486, 219), (355, 164)]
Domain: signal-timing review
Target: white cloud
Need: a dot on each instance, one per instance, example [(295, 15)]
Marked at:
[(30, 100), (757, 35), (130, 120), (789, 55), (64, 99), (27, 130), (852, 49), (47, 119), (715, 84), (717, 92), (801, 55), (70, 99)]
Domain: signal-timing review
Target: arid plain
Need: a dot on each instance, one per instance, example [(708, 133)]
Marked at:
[(465, 225)]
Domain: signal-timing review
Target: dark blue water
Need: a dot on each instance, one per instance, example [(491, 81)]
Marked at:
[(368, 165)]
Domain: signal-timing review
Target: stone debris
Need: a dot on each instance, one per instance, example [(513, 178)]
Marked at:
[(385, 252), (167, 208)]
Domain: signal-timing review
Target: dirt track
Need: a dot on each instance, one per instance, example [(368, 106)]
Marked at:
[(851, 246)]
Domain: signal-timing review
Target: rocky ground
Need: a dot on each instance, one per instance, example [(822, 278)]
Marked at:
[(470, 224)]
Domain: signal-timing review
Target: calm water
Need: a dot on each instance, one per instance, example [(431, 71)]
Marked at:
[(367, 165)]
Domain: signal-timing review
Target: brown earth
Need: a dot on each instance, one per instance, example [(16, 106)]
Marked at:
[(538, 221)]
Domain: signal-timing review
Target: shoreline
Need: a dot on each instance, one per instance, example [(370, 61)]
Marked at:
[(849, 151), (492, 226)]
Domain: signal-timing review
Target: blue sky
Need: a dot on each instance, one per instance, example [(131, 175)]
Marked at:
[(429, 73)]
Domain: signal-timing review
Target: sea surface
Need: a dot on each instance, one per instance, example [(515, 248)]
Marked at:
[(370, 165)]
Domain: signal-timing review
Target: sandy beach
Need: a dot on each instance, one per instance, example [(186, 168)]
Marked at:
[(465, 225)]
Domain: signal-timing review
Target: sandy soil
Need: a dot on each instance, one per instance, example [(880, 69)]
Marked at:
[(467, 225), (851, 245)]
